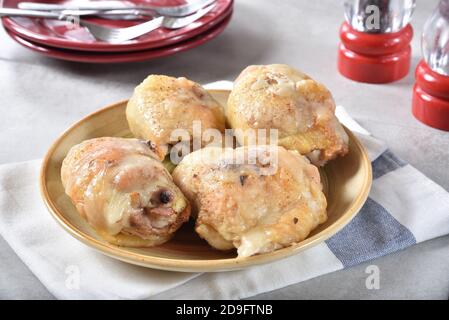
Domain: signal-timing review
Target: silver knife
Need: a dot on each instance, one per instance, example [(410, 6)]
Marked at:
[(174, 11), (14, 12)]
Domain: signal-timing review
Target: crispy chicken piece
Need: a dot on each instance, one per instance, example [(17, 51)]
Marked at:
[(301, 109), (121, 188), (162, 104), (257, 206)]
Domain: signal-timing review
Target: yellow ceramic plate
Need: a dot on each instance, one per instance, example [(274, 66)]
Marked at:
[(346, 183)]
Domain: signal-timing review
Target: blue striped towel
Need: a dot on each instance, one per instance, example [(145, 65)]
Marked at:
[(404, 207)]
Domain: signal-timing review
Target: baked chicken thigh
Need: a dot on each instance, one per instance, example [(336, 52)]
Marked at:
[(162, 104), (248, 207), (120, 187), (301, 109)]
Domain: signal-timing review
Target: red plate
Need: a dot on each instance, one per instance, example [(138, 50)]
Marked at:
[(61, 34), (144, 55)]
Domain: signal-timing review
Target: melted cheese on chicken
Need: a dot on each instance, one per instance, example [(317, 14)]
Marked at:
[(121, 188), (162, 104), (301, 109), (248, 207)]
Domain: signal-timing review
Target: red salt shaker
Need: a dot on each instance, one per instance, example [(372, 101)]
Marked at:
[(431, 91), (375, 40)]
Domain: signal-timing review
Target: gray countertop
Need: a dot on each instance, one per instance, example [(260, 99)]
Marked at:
[(41, 97)]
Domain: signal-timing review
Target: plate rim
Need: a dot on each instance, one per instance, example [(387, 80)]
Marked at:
[(121, 57), (210, 265)]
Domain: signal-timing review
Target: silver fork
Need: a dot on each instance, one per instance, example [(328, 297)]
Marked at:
[(114, 35), (117, 35)]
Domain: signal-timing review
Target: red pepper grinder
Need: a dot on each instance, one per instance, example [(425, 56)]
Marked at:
[(375, 40), (431, 91)]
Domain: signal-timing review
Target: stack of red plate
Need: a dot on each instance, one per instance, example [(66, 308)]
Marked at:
[(58, 39)]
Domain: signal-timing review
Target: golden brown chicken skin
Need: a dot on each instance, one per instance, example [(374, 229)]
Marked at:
[(301, 109), (162, 104), (245, 207), (122, 189)]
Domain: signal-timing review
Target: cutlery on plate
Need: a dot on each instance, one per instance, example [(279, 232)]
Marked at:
[(117, 35), (13, 12), (114, 35), (116, 14), (125, 14), (175, 11)]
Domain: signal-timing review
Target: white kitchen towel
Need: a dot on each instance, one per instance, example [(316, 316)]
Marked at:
[(404, 208)]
